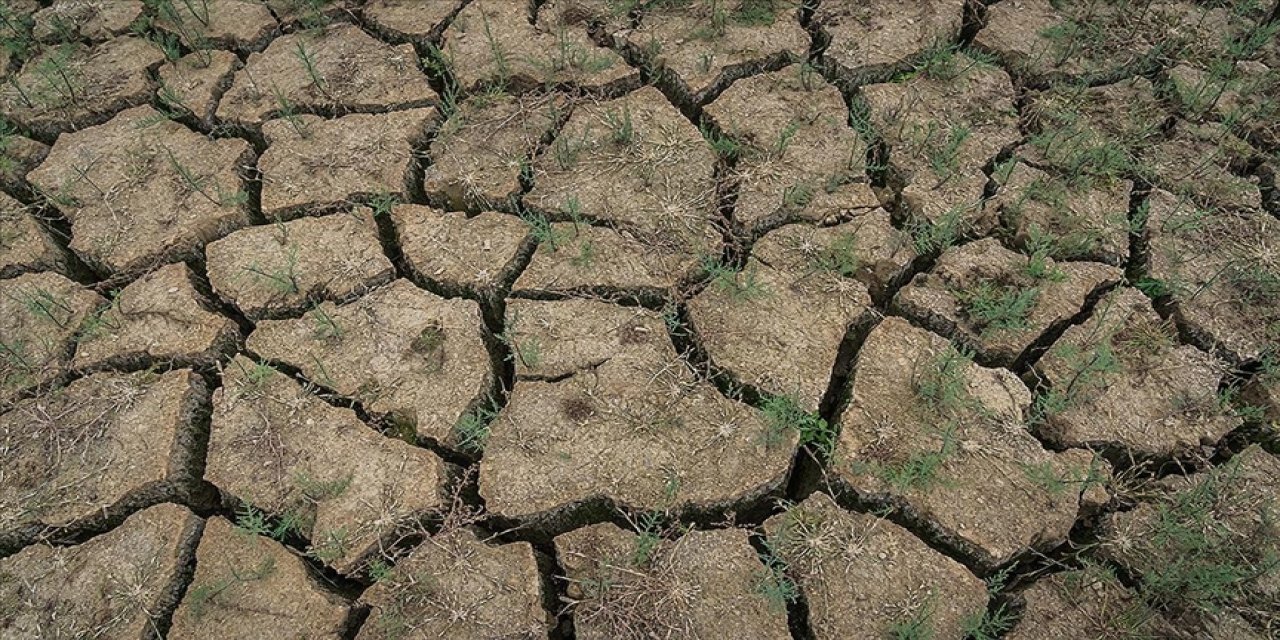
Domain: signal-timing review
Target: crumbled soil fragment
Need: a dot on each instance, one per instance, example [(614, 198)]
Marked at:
[(1208, 543), (585, 258), (1121, 380), (700, 585), (495, 43), (310, 14), (24, 244), (479, 153), (98, 447), (1085, 219), (779, 330), (18, 155), (67, 20), (245, 25), (400, 351), (324, 474), (1000, 302), (932, 432), (274, 270), (636, 428), (158, 318), (409, 20), (458, 252), (338, 68), (707, 44), (867, 248), (248, 585), (1090, 603), (638, 164), (117, 585), (1222, 271), (72, 86), (875, 38), (942, 126), (865, 577), (142, 190), (796, 142), (1263, 392), (195, 83), (1204, 161), (456, 586), (40, 316), (314, 163)]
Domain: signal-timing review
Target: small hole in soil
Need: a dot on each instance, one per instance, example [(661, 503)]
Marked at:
[(430, 345), (577, 409), (636, 333)]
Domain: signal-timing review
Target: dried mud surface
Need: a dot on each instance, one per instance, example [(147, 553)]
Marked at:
[(639, 319)]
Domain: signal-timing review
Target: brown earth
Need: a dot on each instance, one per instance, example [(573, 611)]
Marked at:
[(652, 423), (702, 584), (1219, 268), (954, 297), (409, 20), (181, 189), (18, 156), (501, 43), (871, 38), (1121, 380), (276, 447), (247, 585), (931, 432), (75, 85), (121, 584), (26, 245), (277, 270), (455, 585), (104, 445), (461, 253), (243, 25), (584, 258), (705, 44), (81, 20), (195, 83), (41, 315), (481, 150), (314, 163), (795, 143), (864, 577), (1089, 602), (338, 68), (404, 353), (160, 317)]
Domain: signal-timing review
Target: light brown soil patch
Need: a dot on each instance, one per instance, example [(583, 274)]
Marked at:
[(25, 245), (1204, 161), (863, 577), (796, 140), (635, 429), (457, 586), (1074, 220), (159, 318), (479, 153), (66, 20), (458, 252), (871, 38), (339, 483), (117, 585), (496, 43), (581, 258), (318, 164), (274, 270), (101, 446), (1122, 380), (703, 584), (1090, 602), (409, 20), (932, 432), (141, 189), (195, 83), (40, 315), (248, 585), (340, 68), (73, 86), (997, 301), (402, 352), (244, 25)]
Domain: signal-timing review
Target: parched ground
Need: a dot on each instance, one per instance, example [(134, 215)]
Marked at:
[(639, 319)]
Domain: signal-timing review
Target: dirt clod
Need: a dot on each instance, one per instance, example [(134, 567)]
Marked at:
[(40, 317)]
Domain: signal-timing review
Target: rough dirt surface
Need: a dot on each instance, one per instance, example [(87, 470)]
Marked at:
[(639, 319)]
